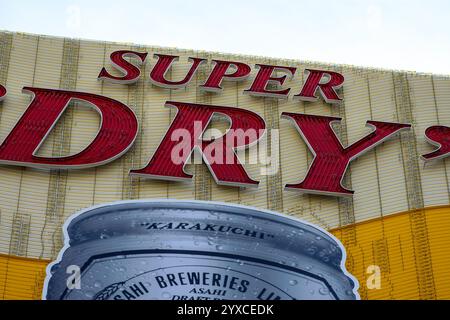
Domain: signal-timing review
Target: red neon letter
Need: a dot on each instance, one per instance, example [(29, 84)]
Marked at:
[(157, 76), (264, 76), (116, 135), (2, 92), (219, 73), (330, 158), (219, 154), (131, 72), (328, 89), (440, 137)]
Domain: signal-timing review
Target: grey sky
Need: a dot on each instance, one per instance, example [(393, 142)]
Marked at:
[(394, 34)]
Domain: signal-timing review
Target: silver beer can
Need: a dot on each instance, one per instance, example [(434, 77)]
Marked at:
[(195, 250)]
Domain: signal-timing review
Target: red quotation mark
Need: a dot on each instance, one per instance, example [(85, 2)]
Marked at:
[(117, 133), (219, 154), (130, 71), (2, 92), (331, 159), (440, 137)]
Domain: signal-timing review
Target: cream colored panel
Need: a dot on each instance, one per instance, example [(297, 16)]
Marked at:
[(48, 63), (434, 183), (47, 75), (81, 184), (109, 178), (295, 157), (442, 93), (364, 168), (34, 191), (390, 165), (25, 195)]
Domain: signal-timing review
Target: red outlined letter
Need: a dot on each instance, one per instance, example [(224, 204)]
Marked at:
[(264, 77), (331, 159), (314, 82), (219, 73), (131, 72), (219, 154), (440, 137), (157, 75), (116, 134)]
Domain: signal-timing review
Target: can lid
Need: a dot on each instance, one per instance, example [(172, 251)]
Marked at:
[(129, 218)]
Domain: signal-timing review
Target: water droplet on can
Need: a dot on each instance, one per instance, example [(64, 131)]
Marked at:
[(324, 291)]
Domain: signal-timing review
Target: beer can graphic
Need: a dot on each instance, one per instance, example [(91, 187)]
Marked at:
[(195, 250)]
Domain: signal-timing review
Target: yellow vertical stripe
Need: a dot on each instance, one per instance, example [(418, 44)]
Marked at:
[(21, 278)]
